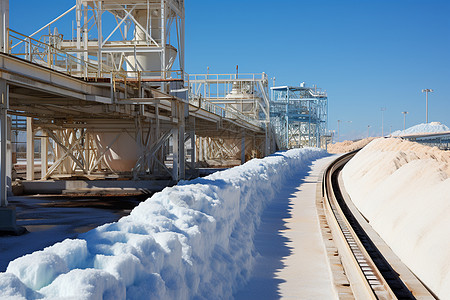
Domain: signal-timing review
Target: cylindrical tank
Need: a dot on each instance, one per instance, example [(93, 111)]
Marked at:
[(123, 153), (243, 101), (150, 61)]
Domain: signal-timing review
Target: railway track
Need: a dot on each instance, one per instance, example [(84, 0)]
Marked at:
[(363, 266)]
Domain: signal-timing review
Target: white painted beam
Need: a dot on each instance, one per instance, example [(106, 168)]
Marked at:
[(30, 149)]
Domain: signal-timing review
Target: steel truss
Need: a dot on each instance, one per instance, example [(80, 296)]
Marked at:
[(128, 88), (74, 148), (236, 97), (299, 116)]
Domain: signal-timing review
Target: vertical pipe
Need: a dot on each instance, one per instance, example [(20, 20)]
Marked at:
[(163, 42), (85, 39), (309, 123), (4, 24), (100, 37), (78, 20), (30, 149), (182, 42)]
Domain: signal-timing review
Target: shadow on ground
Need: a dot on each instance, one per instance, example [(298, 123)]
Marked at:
[(270, 245)]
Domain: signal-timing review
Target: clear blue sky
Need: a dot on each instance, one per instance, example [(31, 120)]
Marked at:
[(365, 54)]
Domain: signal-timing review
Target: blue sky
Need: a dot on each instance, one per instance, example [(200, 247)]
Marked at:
[(365, 54)]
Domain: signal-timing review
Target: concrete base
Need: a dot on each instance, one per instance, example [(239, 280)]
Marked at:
[(8, 222), (93, 187)]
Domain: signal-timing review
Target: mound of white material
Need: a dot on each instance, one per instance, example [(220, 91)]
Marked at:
[(432, 127), (194, 240), (403, 189)]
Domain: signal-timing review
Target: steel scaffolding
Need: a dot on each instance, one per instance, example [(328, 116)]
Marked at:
[(298, 116)]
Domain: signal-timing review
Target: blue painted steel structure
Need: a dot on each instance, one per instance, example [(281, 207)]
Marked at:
[(298, 116)]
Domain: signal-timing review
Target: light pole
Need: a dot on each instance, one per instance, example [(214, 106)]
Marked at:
[(404, 119), (368, 126), (426, 91), (382, 120)]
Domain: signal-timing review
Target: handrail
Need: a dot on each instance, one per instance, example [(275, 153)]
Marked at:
[(239, 77), (45, 54), (222, 111), (48, 24)]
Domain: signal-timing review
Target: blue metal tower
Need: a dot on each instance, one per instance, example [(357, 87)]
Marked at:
[(298, 116)]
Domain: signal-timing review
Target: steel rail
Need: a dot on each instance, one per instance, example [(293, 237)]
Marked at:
[(371, 273)]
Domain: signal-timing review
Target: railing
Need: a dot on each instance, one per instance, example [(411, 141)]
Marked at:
[(222, 111), (128, 83), (44, 54), (227, 77)]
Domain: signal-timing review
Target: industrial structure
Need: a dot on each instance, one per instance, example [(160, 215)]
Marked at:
[(246, 96), (298, 115), (111, 102), (109, 106)]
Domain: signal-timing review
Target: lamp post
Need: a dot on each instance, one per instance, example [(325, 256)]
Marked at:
[(404, 119), (368, 126), (382, 120), (426, 91)]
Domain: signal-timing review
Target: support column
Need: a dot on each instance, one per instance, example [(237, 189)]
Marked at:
[(30, 149), (44, 153), (193, 158), (181, 139), (243, 148), (3, 146), (87, 151), (181, 153), (200, 149), (4, 25), (7, 212), (175, 153), (9, 163)]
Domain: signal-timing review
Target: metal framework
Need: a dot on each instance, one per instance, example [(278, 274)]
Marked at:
[(240, 97), (111, 99), (117, 80), (128, 47), (299, 116), (138, 38)]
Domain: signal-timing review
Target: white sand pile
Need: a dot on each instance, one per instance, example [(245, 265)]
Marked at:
[(433, 127), (403, 189), (348, 146), (190, 241)]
